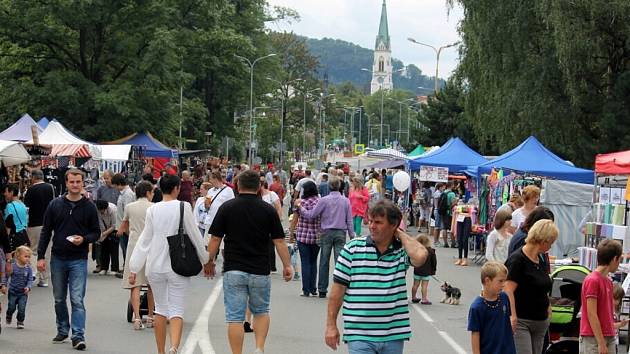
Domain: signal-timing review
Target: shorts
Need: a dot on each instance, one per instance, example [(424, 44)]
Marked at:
[(241, 290), (446, 222), (421, 277), (438, 220)]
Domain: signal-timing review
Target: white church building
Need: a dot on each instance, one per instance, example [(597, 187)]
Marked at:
[(382, 66)]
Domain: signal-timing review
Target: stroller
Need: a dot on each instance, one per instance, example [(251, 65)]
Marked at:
[(144, 304), (566, 305)]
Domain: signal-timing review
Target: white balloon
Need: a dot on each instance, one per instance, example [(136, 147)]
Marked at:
[(402, 181)]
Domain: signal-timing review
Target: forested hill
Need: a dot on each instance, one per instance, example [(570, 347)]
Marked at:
[(342, 61)]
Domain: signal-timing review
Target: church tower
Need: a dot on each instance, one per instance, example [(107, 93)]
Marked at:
[(382, 66)]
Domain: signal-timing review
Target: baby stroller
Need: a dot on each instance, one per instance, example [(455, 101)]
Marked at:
[(144, 304), (566, 305)]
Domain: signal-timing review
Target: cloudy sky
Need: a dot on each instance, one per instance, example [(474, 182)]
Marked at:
[(356, 21)]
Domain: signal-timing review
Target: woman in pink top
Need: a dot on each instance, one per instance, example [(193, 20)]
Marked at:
[(359, 197)]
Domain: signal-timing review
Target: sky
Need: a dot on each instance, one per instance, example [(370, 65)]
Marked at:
[(356, 21)]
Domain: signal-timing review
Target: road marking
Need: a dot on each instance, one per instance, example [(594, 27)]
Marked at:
[(458, 349), (448, 339), (199, 336), (423, 314)]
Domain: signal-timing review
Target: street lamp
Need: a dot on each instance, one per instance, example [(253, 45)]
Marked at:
[(251, 95), (306, 92), (437, 54)]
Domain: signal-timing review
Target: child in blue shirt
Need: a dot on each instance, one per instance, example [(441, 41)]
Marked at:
[(19, 281), (489, 314)]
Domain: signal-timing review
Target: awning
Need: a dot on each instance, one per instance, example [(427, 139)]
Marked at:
[(12, 153)]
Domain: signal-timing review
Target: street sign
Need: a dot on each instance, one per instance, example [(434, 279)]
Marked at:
[(359, 148)]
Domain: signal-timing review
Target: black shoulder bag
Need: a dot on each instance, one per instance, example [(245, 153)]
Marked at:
[(184, 259)]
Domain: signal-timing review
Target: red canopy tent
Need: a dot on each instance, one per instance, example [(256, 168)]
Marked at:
[(614, 163)]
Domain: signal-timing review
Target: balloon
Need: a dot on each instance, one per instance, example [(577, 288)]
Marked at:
[(401, 181)]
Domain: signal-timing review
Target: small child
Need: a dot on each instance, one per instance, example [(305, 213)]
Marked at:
[(422, 274), (293, 250), (489, 315), (618, 294), (597, 327), (19, 280)]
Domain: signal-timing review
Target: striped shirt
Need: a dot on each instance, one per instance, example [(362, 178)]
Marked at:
[(375, 306)]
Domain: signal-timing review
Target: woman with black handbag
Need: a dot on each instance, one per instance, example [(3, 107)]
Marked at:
[(172, 250), (16, 218)]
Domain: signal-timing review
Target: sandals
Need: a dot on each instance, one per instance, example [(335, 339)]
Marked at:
[(137, 324), (149, 323), (172, 351)]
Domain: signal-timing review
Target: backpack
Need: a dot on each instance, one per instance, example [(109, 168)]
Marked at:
[(443, 203)]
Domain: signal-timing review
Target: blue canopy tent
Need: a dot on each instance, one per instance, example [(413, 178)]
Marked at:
[(154, 148), (21, 130), (43, 122), (454, 154), (532, 157)]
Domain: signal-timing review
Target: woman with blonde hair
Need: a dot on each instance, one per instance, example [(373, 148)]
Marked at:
[(531, 195), (528, 285)]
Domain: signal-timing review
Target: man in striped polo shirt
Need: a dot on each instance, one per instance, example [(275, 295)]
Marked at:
[(370, 283)]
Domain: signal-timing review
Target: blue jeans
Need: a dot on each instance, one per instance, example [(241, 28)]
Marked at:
[(69, 275), (364, 347), (19, 301), (308, 258), (241, 289), (331, 240)]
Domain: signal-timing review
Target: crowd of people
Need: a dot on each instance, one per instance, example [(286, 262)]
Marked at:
[(234, 216)]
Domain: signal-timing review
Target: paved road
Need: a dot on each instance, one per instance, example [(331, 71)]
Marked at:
[(297, 322)]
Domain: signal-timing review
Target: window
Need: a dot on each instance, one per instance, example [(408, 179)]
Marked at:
[(381, 64)]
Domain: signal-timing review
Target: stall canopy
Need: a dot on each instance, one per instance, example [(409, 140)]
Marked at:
[(154, 148), (395, 163), (20, 130), (386, 153), (419, 150), (43, 122), (532, 157), (614, 163), (63, 141), (454, 154), (13, 153), (110, 152)]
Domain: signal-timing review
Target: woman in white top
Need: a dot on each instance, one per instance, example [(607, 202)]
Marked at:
[(499, 239), (200, 210), (133, 224), (152, 252), (270, 197), (531, 195)]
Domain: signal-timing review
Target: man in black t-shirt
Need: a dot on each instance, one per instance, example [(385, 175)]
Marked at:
[(248, 223), (36, 199)]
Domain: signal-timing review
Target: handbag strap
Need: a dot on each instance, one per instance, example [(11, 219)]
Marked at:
[(180, 230), (215, 196)]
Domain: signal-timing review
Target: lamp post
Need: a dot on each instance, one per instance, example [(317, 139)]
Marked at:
[(306, 92), (251, 65), (437, 54)]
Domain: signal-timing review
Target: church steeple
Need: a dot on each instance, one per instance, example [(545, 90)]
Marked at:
[(382, 65), (383, 29)]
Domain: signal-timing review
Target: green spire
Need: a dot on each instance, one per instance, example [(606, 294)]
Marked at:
[(383, 30)]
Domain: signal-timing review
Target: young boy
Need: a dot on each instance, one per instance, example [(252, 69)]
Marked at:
[(597, 327), (20, 281), (489, 315)]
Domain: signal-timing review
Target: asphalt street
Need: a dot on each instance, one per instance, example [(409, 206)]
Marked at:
[(297, 323)]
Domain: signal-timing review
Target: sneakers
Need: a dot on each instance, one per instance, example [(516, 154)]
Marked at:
[(296, 276), (322, 295), (103, 272), (119, 275), (259, 351), (78, 344), (60, 338), (8, 321), (247, 327), (42, 284), (20, 325), (97, 270)]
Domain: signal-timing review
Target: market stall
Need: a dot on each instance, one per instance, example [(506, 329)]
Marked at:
[(454, 154), (13, 153), (155, 153), (21, 130)]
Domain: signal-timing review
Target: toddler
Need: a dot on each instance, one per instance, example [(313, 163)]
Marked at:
[(422, 274), (489, 315), (19, 280), (618, 294)]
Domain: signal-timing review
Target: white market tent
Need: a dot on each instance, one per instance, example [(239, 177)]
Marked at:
[(21, 130), (13, 153), (386, 153), (110, 152)]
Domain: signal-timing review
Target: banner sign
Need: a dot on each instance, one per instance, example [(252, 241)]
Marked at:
[(433, 174)]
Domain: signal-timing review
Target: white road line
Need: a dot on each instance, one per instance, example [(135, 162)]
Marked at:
[(450, 341), (199, 336), (423, 314), (458, 349)]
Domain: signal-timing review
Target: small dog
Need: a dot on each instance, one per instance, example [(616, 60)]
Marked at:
[(451, 294)]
